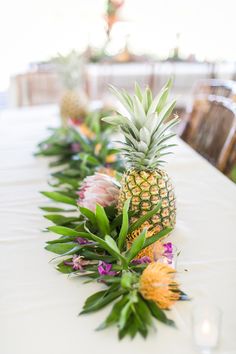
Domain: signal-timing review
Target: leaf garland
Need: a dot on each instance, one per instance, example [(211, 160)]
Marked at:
[(99, 238)]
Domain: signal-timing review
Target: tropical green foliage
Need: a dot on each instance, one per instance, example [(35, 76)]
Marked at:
[(75, 156), (106, 234)]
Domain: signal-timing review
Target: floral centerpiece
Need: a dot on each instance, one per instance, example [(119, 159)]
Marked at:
[(114, 222)]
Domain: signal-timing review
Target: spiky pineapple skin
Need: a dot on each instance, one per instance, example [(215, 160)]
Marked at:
[(146, 189), (72, 105)]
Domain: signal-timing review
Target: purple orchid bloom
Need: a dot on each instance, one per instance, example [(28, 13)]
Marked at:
[(168, 248), (75, 147), (77, 263), (141, 260), (168, 251), (82, 241), (105, 269)]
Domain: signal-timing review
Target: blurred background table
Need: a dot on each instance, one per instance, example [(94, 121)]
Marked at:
[(42, 86)]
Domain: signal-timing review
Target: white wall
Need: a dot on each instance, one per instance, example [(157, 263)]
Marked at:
[(32, 30)]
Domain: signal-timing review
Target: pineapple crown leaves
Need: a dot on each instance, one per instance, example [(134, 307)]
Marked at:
[(145, 127), (70, 69)]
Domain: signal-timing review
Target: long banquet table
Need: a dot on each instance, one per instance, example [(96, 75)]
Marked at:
[(39, 306)]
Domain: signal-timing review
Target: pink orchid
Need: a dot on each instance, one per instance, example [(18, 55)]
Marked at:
[(98, 189), (77, 263)]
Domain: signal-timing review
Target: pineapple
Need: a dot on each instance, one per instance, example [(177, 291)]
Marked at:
[(74, 101), (73, 105), (146, 133)]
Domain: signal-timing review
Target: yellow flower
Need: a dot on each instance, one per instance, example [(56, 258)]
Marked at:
[(157, 284)]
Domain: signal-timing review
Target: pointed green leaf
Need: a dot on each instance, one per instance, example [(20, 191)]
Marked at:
[(156, 101), (122, 98), (126, 280), (102, 220), (91, 300), (112, 243), (150, 240), (55, 210), (89, 214), (159, 314), (144, 218), (164, 97), (63, 268), (60, 219), (58, 197), (143, 311), (167, 110), (137, 245), (138, 92), (60, 248), (124, 315), (114, 314), (114, 120), (109, 249), (102, 301), (125, 224), (62, 230)]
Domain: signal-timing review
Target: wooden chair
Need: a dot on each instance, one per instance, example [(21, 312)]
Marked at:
[(35, 88), (231, 161), (222, 88), (210, 128)]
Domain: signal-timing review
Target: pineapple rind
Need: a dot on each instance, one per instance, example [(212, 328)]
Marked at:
[(146, 189)]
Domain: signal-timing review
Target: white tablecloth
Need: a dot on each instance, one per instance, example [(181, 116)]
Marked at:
[(39, 306)]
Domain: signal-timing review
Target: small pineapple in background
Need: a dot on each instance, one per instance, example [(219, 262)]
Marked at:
[(146, 135), (73, 106), (74, 101)]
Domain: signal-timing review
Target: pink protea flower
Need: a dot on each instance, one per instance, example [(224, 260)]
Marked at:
[(98, 189)]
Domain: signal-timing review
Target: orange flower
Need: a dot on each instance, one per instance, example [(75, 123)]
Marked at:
[(97, 148), (84, 129), (107, 171), (111, 158), (157, 284), (151, 250), (148, 251)]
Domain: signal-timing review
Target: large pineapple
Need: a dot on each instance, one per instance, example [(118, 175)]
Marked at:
[(146, 132)]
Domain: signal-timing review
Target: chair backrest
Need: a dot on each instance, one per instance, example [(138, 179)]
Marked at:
[(222, 88), (211, 130)]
